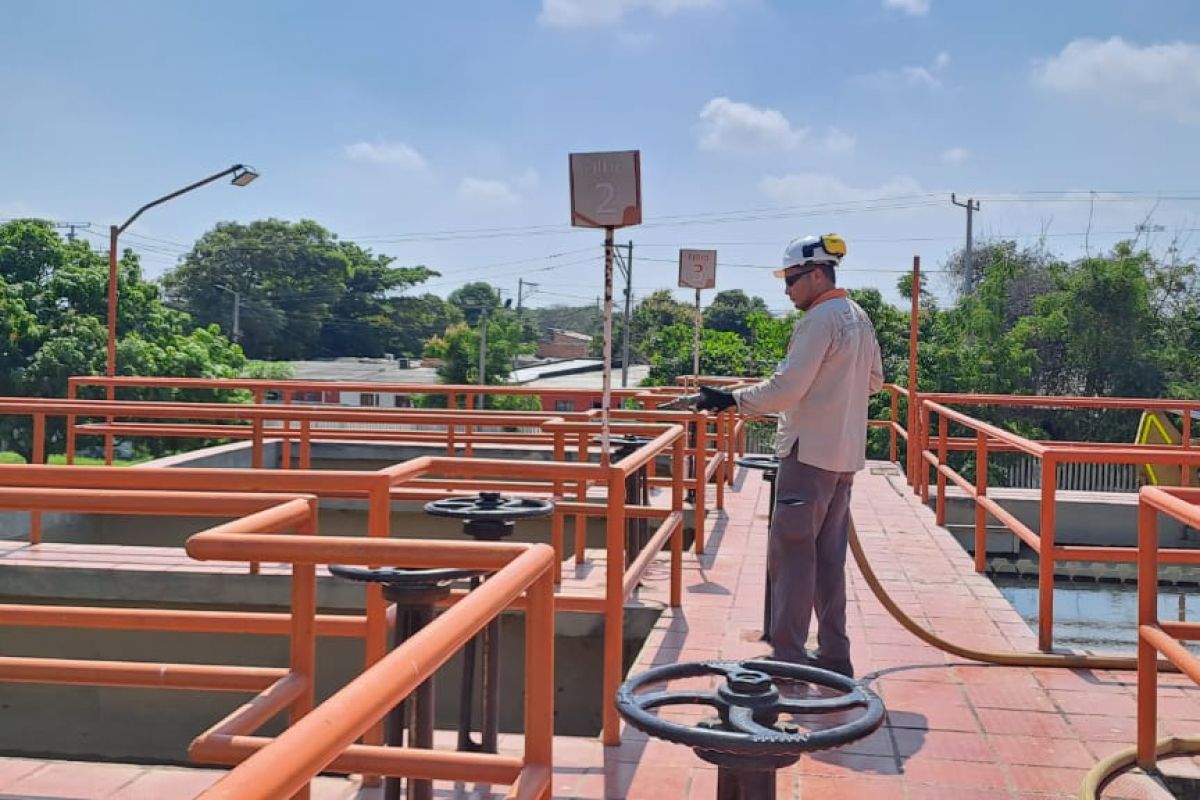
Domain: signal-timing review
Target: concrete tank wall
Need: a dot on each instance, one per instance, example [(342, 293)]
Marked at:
[(156, 725)]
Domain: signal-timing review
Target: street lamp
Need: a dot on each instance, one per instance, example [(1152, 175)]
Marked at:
[(242, 175)]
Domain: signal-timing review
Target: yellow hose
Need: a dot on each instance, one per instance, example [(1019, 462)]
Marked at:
[(1106, 768)]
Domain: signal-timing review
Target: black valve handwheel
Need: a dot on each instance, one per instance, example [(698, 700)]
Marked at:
[(748, 705), (400, 577), (758, 462), (489, 506)]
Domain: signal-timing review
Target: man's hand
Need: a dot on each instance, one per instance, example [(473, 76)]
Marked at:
[(714, 400)]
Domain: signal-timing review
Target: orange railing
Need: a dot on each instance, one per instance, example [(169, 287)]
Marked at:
[(325, 737), (428, 478), (1154, 635), (321, 737), (299, 425), (457, 395), (933, 451)]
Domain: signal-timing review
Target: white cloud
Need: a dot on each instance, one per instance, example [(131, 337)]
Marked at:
[(741, 127), (395, 154), (955, 156), (583, 13), (810, 189), (914, 77), (915, 8), (1162, 79), (478, 190)]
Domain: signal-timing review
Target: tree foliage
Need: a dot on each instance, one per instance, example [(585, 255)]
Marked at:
[(498, 338), (53, 325), (730, 310), (1124, 323), (300, 292)]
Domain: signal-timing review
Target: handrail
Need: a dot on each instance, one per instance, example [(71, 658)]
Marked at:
[(1042, 541), (378, 488), (1155, 636), (283, 766)]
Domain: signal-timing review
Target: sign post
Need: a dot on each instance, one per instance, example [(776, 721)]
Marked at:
[(697, 270), (606, 192)]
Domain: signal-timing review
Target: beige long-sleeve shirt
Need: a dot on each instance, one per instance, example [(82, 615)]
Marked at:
[(821, 389)]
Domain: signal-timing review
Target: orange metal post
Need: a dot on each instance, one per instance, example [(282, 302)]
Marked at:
[(379, 522), (1186, 442), (981, 515), (39, 457), (558, 520), (614, 604), (922, 445), (1046, 554), (700, 481), (893, 449), (581, 497), (303, 644), (70, 422), (1147, 672), (256, 458), (539, 664), (731, 425), (677, 494), (943, 433)]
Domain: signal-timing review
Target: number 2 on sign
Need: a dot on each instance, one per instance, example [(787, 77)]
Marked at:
[(609, 192)]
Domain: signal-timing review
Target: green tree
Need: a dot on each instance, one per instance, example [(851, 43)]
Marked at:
[(653, 314), (53, 303), (419, 318), (730, 310), (670, 353), (472, 299), (459, 349), (301, 292)]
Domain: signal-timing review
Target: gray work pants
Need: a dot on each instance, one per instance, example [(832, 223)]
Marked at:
[(806, 560)]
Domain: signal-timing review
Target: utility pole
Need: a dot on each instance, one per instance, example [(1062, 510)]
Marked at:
[(237, 317), (483, 319), (236, 333), (71, 226), (625, 264), (971, 206), (521, 286)]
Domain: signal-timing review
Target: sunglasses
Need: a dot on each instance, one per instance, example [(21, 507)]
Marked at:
[(790, 280)]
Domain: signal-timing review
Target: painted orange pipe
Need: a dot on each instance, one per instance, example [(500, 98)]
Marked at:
[(157, 619), (260, 710), (375, 759), (145, 674), (614, 614), (151, 502)]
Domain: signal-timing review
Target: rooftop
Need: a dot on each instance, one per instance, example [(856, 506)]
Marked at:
[(361, 370)]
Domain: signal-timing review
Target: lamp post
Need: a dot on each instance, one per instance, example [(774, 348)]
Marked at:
[(242, 175)]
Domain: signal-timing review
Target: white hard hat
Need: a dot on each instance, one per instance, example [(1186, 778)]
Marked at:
[(827, 249)]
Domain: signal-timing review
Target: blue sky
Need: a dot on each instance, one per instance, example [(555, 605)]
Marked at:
[(439, 132)]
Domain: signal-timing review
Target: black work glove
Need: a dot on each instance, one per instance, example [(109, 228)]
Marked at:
[(714, 399)]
